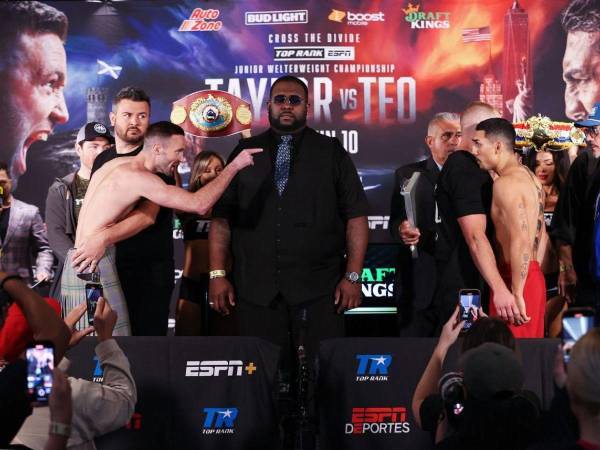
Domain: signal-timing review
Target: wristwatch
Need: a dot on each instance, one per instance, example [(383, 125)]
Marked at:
[(352, 277)]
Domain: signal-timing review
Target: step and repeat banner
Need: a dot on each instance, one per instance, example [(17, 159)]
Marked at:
[(377, 71)]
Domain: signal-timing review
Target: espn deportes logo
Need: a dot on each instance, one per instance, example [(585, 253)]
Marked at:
[(379, 222), (314, 53), (373, 367), (219, 420), (202, 20), (357, 19), (378, 420), (217, 368), (276, 17)]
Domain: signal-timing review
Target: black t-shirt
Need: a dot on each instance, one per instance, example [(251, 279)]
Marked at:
[(14, 404), (4, 218), (154, 243), (194, 227), (462, 189)]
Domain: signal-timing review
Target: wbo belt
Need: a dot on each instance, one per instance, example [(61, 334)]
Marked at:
[(211, 113)]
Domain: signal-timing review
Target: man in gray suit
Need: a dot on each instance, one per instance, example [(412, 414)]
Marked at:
[(22, 235)]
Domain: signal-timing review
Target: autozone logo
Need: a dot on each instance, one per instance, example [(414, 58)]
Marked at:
[(276, 17), (373, 367), (379, 222), (314, 53), (219, 420), (202, 20), (378, 420), (218, 368)]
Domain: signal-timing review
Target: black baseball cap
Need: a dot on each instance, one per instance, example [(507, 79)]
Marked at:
[(93, 130)]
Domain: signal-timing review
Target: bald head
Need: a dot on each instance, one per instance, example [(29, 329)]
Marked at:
[(474, 113)]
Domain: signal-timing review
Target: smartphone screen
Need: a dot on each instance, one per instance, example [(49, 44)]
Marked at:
[(40, 364), (92, 293), (575, 324), (470, 301)]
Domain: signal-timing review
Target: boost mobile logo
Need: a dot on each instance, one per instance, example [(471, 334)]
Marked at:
[(219, 420), (373, 367), (378, 420), (216, 368)]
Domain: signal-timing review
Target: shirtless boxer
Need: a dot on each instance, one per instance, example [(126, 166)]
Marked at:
[(518, 216), (114, 192)]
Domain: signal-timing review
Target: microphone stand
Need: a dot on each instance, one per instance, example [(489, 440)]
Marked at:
[(305, 422)]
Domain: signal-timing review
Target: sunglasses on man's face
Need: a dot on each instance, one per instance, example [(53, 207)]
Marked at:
[(293, 100)]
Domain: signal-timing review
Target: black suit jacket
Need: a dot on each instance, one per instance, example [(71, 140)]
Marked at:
[(416, 278), (292, 245)]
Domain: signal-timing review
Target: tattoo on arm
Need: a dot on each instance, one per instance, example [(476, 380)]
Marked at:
[(522, 214)]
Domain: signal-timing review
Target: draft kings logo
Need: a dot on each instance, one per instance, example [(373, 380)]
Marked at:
[(373, 367), (219, 420), (422, 19), (378, 420)]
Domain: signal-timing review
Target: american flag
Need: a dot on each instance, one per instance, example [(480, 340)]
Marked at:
[(476, 34)]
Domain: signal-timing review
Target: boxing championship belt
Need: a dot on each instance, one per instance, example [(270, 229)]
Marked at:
[(211, 114)]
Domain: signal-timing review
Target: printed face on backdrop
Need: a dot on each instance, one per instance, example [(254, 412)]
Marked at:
[(169, 154), (33, 102), (444, 139), (581, 73), (89, 150), (284, 116), (131, 120)]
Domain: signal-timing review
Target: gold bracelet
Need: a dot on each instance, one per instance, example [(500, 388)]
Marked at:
[(216, 274)]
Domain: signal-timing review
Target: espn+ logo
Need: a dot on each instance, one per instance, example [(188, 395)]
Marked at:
[(217, 368), (378, 420)]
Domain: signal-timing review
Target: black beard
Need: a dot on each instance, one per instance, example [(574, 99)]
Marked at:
[(125, 138), (296, 125)]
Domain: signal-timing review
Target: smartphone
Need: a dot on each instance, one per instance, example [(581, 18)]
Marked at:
[(575, 323), (40, 364), (470, 301), (93, 292)]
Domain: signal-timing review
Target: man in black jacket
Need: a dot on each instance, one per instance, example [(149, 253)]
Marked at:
[(296, 222), (416, 278)]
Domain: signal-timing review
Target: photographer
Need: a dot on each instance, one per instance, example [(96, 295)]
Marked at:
[(97, 408)]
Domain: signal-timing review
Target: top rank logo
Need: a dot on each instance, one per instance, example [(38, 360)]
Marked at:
[(202, 20), (276, 17), (360, 19), (373, 367), (420, 19), (219, 420)]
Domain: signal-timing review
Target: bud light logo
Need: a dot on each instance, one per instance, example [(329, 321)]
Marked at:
[(98, 375), (373, 367), (219, 420)]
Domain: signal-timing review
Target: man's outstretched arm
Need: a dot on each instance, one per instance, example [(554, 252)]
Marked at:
[(473, 229)]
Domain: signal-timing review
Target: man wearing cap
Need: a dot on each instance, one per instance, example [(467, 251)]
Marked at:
[(573, 220), (66, 194), (22, 234)]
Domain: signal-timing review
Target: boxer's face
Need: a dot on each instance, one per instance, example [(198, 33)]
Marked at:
[(485, 150), (170, 154)]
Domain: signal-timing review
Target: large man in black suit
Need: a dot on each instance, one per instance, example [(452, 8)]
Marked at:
[(416, 278), (296, 225)]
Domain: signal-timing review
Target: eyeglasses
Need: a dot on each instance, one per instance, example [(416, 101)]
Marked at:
[(292, 100)]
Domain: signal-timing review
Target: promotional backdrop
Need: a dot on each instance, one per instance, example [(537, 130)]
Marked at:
[(377, 71)]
